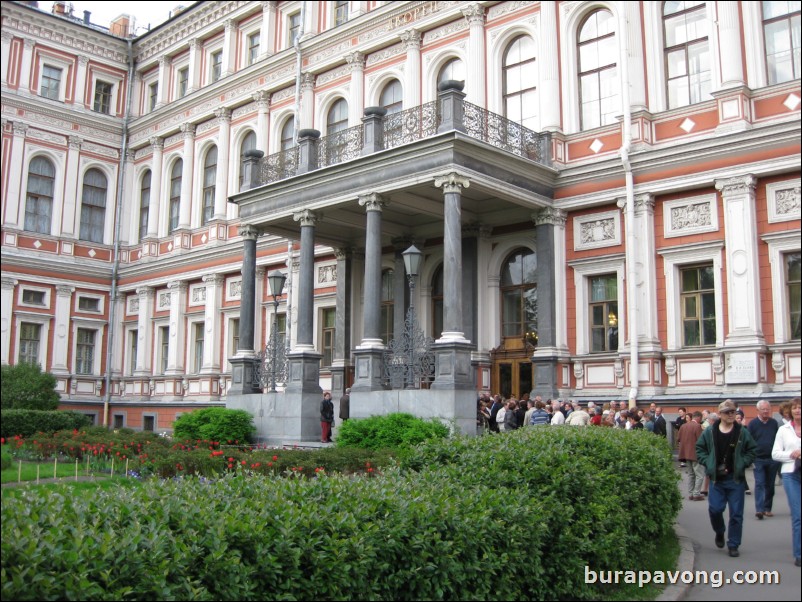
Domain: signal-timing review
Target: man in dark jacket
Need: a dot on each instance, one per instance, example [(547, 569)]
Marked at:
[(659, 422), (345, 405), (726, 449), (763, 430)]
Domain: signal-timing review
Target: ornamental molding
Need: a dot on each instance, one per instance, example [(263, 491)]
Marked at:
[(550, 216), (597, 230), (499, 10), (737, 186), (35, 134), (452, 183), (97, 149), (445, 31), (384, 54), (783, 201), (682, 217), (329, 76), (372, 201), (307, 217)]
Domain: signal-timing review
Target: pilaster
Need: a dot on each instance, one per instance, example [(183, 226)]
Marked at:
[(177, 343), (61, 330)]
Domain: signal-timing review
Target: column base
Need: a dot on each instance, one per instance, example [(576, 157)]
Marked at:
[(369, 375), (453, 366), (545, 377), (303, 372), (243, 376)]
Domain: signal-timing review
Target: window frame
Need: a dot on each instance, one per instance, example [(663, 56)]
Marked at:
[(327, 336), (131, 350), (397, 105), (697, 294), (39, 198), (208, 189), (152, 97), (523, 334), (93, 215), (181, 82), (43, 321), (98, 298), (338, 8), (162, 332), (597, 71), (144, 208), (387, 305), (584, 270), (215, 66), (198, 346), (763, 22), (253, 51), (54, 92), (37, 340), (531, 122), (781, 244), (250, 135), (607, 325), (174, 200), (687, 46), (104, 94), (78, 361), (291, 27)]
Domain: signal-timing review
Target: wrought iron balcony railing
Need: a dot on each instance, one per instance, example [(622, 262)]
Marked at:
[(340, 146)]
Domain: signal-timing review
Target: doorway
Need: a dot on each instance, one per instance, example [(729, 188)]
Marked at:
[(512, 376)]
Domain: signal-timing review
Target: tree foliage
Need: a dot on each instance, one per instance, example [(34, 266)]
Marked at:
[(26, 387), (215, 424)]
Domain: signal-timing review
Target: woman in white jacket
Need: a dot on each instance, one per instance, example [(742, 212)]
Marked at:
[(787, 450)]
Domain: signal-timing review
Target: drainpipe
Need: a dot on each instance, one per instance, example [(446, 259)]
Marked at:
[(117, 226), (632, 287)]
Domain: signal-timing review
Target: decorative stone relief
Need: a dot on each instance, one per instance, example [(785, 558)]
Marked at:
[(597, 230), (164, 300), (327, 274), (384, 54), (133, 305), (783, 200), (234, 289), (198, 295), (690, 216), (778, 363)]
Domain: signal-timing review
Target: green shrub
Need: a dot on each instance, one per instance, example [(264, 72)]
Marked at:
[(215, 424), (5, 459), (391, 431), (25, 387), (30, 422)]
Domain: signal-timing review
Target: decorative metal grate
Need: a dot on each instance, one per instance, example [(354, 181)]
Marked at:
[(279, 166), (503, 133), (272, 368), (340, 146), (409, 359), (410, 125)]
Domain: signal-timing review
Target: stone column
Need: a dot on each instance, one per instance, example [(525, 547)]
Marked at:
[(64, 223), (262, 100), (356, 91), (16, 156), (25, 67), (223, 150), (136, 96), (548, 59), (195, 50), (635, 60), (157, 161), (211, 350), (80, 82), (129, 191), (307, 119), (342, 328), (371, 337), (5, 51), (267, 34), (729, 37), (412, 71), (144, 348), (743, 275), (476, 84), (177, 345), (6, 303), (558, 219), (61, 330), (470, 280), (244, 364), (185, 206), (646, 266), (163, 92), (229, 48)]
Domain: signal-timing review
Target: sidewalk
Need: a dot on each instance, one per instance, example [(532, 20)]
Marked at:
[(766, 546)]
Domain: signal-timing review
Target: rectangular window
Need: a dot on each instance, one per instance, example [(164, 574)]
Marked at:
[(88, 304), (119, 421), (164, 346), (253, 47), (51, 82), (102, 97), (85, 351), (153, 96), (698, 302), (29, 340), (293, 28), (233, 329), (133, 347), (183, 82), (149, 423), (197, 339), (792, 281), (603, 313), (30, 297), (217, 65), (340, 12), (281, 330), (328, 321)]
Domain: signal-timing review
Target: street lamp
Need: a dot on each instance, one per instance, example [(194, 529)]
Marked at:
[(412, 258), (275, 280)]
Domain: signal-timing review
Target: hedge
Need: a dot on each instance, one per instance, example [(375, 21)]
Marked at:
[(218, 424), (509, 517), (394, 431), (29, 422)]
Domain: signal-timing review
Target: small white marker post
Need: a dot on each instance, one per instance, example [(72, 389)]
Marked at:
[(76, 469), (55, 466), (112, 469), (19, 472), (37, 474)]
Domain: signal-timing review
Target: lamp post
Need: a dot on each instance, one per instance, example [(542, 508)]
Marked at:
[(412, 258), (276, 281)]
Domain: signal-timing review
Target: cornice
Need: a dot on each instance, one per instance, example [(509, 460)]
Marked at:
[(90, 123)]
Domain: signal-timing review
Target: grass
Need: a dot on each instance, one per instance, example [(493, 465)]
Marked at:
[(661, 557), (27, 471), (73, 487)]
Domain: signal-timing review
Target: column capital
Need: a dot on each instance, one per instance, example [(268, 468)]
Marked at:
[(179, 286), (411, 39), (146, 292), (269, 5), (452, 182), (64, 290), (372, 201), (249, 231), (261, 98), (307, 217), (8, 284), (165, 61), (213, 279), (230, 25), (194, 44), (20, 129), (7, 36), (307, 81), (157, 143), (474, 14), (83, 61), (188, 131), (130, 155), (342, 254), (737, 185), (644, 203), (402, 243), (550, 216), (75, 142), (223, 115), (356, 61), (477, 230)]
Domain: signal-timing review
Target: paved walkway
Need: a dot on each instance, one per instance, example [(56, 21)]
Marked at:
[(766, 546)]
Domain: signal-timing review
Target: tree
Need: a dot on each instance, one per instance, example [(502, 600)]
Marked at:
[(25, 387)]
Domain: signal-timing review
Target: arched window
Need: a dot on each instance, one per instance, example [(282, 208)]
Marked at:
[(93, 206), (175, 194), (687, 53), (144, 205), (392, 97), (337, 119), (519, 296), (388, 305), (209, 179), (248, 143), (288, 134), (598, 71), (39, 201), (781, 32), (453, 69), (437, 303), (520, 79)]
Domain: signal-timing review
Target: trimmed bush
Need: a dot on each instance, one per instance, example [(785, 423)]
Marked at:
[(391, 431), (29, 422), (217, 424), (25, 387)]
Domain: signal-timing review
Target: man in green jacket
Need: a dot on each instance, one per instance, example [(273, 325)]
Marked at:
[(726, 449)]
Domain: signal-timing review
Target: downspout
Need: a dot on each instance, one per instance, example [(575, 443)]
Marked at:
[(117, 226), (632, 287)]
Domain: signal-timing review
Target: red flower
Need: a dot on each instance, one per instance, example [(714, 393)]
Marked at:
[(275, 458)]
